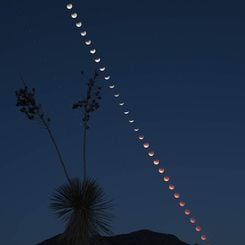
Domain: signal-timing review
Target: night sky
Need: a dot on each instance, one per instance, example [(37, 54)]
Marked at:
[(180, 69)]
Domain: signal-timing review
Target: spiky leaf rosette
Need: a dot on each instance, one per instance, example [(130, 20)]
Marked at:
[(84, 208)]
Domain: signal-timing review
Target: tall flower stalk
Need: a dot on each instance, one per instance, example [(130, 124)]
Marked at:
[(28, 105), (88, 105)]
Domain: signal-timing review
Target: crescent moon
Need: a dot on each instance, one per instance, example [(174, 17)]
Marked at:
[(83, 33), (112, 86), (93, 51), (151, 153), (78, 24), (141, 137), (88, 42), (74, 15), (187, 212), (121, 104), (116, 95), (102, 68), (126, 112), (97, 60), (69, 6), (107, 77), (131, 121), (136, 129)]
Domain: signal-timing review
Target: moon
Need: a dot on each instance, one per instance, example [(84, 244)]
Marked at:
[(187, 212), (83, 33), (166, 178), (97, 60), (121, 104), (131, 121), (78, 24), (107, 77), (74, 15), (151, 153), (93, 51), (146, 145), (136, 129), (141, 137), (102, 68), (69, 6), (116, 95), (181, 203), (88, 42), (126, 112), (204, 237), (198, 228), (156, 161), (192, 220), (176, 195), (171, 187), (112, 86), (161, 170)]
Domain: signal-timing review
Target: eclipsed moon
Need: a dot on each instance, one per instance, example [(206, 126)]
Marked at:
[(69, 6)]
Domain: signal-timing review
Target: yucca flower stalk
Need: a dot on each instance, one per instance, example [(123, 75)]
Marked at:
[(28, 105), (88, 105)]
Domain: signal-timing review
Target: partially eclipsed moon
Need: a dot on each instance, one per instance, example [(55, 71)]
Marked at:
[(171, 187), (151, 153), (181, 203), (107, 77), (97, 60), (204, 237), (176, 195), (79, 24), (116, 95), (69, 6), (83, 33), (136, 129), (141, 137), (156, 161), (161, 170), (126, 112), (146, 145), (74, 15), (88, 42), (102, 68), (166, 178), (121, 104), (131, 121), (93, 51), (112, 86), (193, 220)]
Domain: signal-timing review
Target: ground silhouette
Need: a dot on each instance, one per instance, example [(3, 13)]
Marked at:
[(142, 237)]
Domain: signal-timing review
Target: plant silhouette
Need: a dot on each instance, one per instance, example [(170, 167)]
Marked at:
[(82, 205)]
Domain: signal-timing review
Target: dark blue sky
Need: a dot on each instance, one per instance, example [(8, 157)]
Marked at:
[(180, 68)]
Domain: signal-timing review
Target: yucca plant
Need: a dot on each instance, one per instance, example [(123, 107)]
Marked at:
[(82, 205), (84, 208)]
